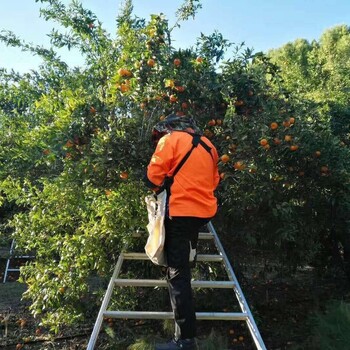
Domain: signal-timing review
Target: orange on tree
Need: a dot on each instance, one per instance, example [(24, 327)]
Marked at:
[(69, 144), (184, 105), (288, 138), (180, 88), (291, 120), (225, 158), (199, 60), (263, 142), (317, 153), (239, 165), (124, 72), (123, 175), (239, 103), (267, 147), (286, 123), (124, 88), (211, 122), (222, 176), (151, 62), (273, 126), (177, 62), (173, 98), (277, 141), (92, 110), (293, 147), (218, 122)]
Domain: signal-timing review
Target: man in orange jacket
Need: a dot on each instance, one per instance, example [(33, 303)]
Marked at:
[(191, 204)]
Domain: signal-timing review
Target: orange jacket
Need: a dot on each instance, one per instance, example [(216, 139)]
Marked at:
[(192, 193)]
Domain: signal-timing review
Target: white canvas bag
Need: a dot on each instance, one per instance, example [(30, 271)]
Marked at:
[(156, 207)]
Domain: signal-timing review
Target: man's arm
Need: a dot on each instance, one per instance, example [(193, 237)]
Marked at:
[(160, 164)]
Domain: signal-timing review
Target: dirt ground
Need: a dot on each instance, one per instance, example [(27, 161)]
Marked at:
[(281, 306)]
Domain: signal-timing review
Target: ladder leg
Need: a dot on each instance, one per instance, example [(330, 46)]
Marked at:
[(104, 305), (259, 343), (8, 261)]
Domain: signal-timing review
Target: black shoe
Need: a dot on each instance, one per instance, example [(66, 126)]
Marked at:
[(185, 344)]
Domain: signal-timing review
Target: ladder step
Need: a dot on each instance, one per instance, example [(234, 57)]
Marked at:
[(200, 257), (152, 315), (13, 270), (163, 283), (205, 235)]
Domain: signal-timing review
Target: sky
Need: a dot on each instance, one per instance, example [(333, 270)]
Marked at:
[(260, 24)]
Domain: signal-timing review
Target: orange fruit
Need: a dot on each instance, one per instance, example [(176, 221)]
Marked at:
[(218, 122), (239, 103), (222, 176), (173, 98), (177, 62), (162, 117), (288, 138), (124, 87), (69, 144), (124, 72), (253, 170), (277, 141), (293, 147), (123, 175), (239, 165), (291, 120), (199, 60), (46, 152), (286, 124), (92, 110), (184, 105), (211, 122), (180, 88), (274, 126), (62, 290), (317, 153), (225, 158), (267, 147), (263, 142), (180, 113), (108, 192), (151, 62)]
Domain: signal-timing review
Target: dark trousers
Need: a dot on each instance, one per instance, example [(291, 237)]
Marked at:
[(180, 231)]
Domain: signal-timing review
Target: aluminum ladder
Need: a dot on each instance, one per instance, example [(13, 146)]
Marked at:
[(245, 315), (8, 268)]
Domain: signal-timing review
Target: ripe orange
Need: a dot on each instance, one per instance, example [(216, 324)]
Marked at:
[(19, 346), (124, 88), (69, 144), (291, 120), (92, 110), (62, 290), (288, 138), (46, 152), (263, 142), (177, 62), (239, 165), (317, 153), (277, 141), (286, 124), (239, 103), (293, 147), (151, 62), (267, 147), (225, 158), (173, 98), (218, 122), (199, 60), (274, 126), (123, 175), (108, 192), (222, 176), (162, 117), (124, 72), (180, 88), (184, 105), (211, 122)]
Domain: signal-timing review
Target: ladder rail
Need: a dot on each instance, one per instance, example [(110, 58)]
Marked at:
[(254, 331), (104, 305)]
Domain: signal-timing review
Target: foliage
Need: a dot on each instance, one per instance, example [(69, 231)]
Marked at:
[(330, 329), (74, 145)]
